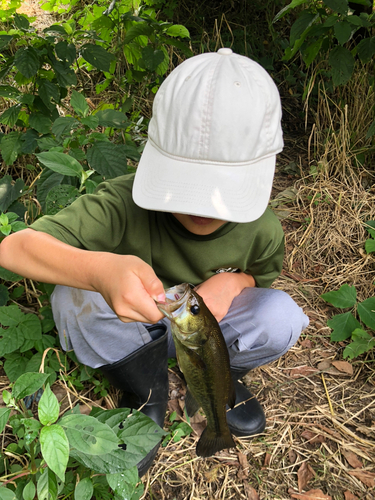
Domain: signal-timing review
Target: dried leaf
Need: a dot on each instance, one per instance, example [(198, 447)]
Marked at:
[(242, 458), (353, 460), (292, 456), (349, 496), (309, 495), (306, 343), (251, 493), (335, 434), (302, 371), (267, 460), (367, 478), (304, 474), (326, 367), (313, 437), (343, 366)]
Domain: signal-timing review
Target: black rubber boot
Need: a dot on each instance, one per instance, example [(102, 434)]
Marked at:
[(143, 378), (247, 418)]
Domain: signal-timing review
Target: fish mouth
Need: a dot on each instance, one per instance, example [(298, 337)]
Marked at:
[(175, 300)]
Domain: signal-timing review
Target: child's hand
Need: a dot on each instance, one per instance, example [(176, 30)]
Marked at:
[(129, 286), (219, 291)]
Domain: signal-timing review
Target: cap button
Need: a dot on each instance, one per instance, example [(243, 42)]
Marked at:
[(225, 51)]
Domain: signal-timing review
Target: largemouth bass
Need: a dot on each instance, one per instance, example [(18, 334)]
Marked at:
[(204, 360)]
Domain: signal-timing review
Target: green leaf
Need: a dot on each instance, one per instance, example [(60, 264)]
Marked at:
[(40, 122), (79, 104), (140, 433), (366, 312), (4, 295), (28, 383), (343, 325), (29, 141), (345, 296), (29, 491), (107, 159), (342, 64), (64, 125), (126, 484), (65, 75), (10, 315), (47, 485), (27, 62), (11, 339), (91, 121), (4, 416), (21, 22), (61, 163), (370, 227), (66, 51), (10, 147), (32, 428), (88, 435), (84, 489), (48, 407), (9, 192), (97, 56), (366, 49), (362, 342), (152, 58), (178, 30), (60, 197), (370, 246), (55, 29), (304, 21), (55, 449), (7, 494), (10, 115), (8, 275), (5, 40), (139, 29), (340, 6), (112, 118), (343, 31), (9, 92), (14, 366), (48, 91)]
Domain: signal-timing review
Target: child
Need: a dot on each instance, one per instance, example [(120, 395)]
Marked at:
[(195, 212)]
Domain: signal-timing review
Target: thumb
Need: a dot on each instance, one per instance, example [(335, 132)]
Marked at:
[(153, 285)]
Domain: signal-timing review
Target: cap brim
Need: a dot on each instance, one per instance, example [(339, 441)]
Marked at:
[(236, 193)]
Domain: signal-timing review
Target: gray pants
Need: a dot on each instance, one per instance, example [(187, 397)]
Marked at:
[(262, 324)]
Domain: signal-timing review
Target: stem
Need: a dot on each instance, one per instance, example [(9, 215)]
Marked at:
[(27, 473), (32, 458)]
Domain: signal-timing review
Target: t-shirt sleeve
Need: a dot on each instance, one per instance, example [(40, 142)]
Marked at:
[(269, 265), (93, 221)]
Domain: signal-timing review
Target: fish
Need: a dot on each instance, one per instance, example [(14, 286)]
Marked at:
[(203, 358)]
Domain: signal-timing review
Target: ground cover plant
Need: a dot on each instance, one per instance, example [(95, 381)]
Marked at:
[(78, 116)]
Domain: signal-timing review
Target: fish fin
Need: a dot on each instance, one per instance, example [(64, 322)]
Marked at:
[(194, 358), (210, 442), (191, 404), (232, 395)]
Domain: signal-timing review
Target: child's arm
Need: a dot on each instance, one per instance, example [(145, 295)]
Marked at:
[(127, 283), (219, 291)]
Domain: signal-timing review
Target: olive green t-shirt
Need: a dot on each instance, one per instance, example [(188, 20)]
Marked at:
[(110, 221)]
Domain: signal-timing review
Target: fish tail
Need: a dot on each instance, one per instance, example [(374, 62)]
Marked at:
[(210, 442)]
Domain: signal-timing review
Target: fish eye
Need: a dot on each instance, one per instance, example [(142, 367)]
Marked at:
[(195, 310)]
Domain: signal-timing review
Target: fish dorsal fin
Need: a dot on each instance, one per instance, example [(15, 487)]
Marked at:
[(191, 404)]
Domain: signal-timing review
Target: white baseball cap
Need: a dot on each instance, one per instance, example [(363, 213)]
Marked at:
[(212, 140)]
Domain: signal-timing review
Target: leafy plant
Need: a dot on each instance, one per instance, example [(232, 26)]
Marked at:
[(178, 430), (370, 242), (108, 443), (347, 326)]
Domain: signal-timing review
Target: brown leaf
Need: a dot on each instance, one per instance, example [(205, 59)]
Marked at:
[(306, 343), (304, 474), (353, 460), (309, 495), (343, 366), (312, 437), (251, 493), (302, 371), (349, 495), (267, 459), (242, 458), (198, 423), (292, 456), (367, 478), (335, 434), (326, 366)]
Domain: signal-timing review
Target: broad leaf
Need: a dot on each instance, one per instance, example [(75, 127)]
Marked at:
[(366, 311), (5, 40), (107, 159), (126, 484), (343, 325), (89, 436), (112, 118), (84, 489), (29, 491), (14, 366), (97, 56), (40, 122), (366, 49), (27, 62), (11, 339), (10, 116), (152, 58), (342, 64), (48, 91), (9, 192), (79, 104), (66, 51), (4, 295), (10, 315), (362, 342), (343, 31), (7, 494), (304, 21), (340, 6), (178, 30), (60, 197), (9, 92), (345, 296), (61, 163), (29, 141), (4, 416), (47, 485), (140, 433), (48, 407), (10, 147), (28, 383), (55, 449), (137, 30), (370, 246), (287, 8), (64, 125)]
